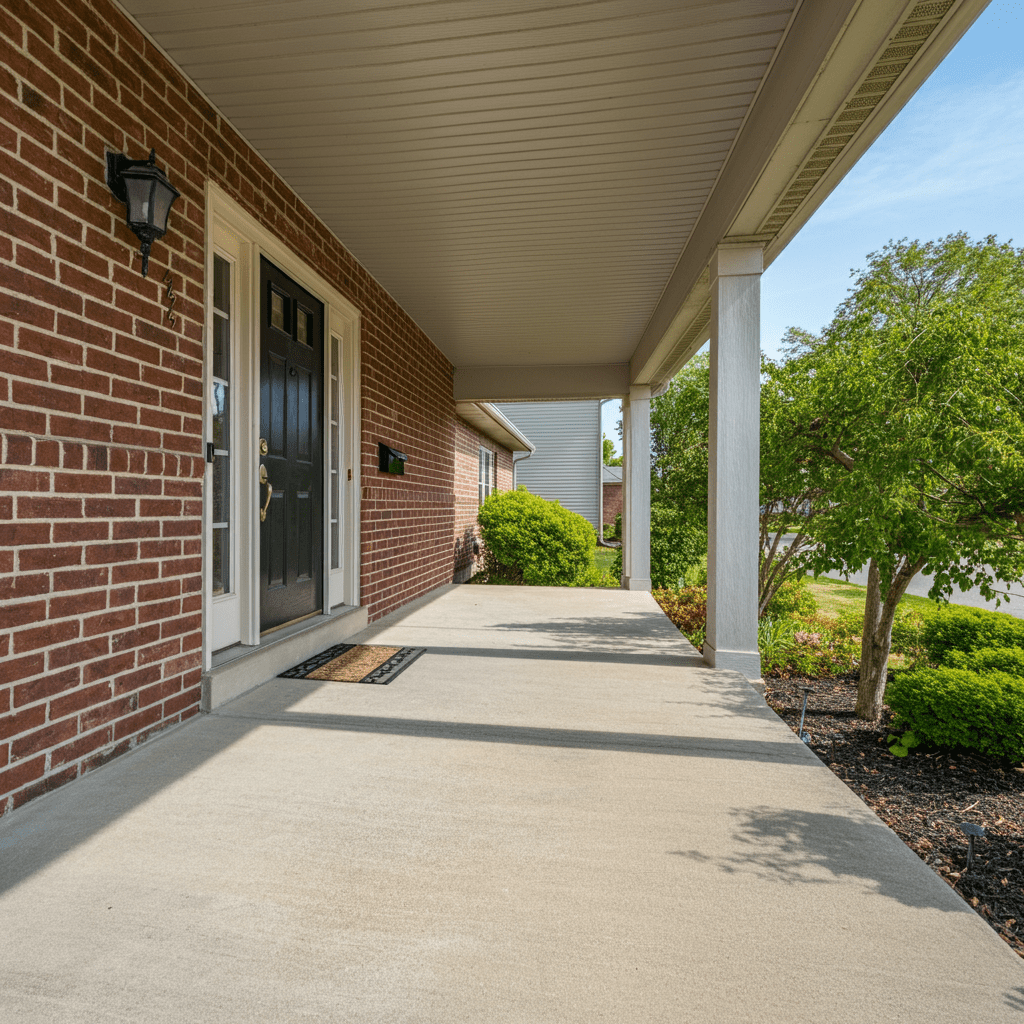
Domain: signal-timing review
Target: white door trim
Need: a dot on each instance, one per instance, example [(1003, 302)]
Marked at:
[(235, 233)]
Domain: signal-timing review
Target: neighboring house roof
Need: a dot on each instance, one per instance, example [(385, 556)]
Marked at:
[(493, 424), (611, 474)]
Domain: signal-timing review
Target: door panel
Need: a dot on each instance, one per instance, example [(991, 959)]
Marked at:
[(291, 402)]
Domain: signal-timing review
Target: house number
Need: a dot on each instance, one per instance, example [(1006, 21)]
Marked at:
[(171, 297)]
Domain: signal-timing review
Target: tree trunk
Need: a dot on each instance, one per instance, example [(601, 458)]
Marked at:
[(876, 640)]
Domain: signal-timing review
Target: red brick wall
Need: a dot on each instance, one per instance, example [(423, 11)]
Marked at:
[(468, 443), (612, 502), (101, 397)]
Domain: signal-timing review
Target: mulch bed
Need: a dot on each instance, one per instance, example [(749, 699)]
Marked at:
[(922, 797)]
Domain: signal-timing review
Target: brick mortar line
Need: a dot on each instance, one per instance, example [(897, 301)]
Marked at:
[(109, 445)]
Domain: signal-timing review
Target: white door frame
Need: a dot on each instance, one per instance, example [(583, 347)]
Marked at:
[(240, 238)]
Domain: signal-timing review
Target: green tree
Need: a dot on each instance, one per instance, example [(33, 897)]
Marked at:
[(907, 415), (789, 498), (608, 448)]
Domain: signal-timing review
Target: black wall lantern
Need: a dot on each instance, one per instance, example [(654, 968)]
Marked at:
[(147, 193)]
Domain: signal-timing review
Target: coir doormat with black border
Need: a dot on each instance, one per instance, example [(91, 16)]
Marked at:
[(356, 663)]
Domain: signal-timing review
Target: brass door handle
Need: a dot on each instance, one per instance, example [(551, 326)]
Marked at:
[(270, 492)]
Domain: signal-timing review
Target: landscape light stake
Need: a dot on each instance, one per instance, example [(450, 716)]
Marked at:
[(805, 736), (971, 830)]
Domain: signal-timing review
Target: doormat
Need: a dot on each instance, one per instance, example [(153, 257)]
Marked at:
[(356, 663)]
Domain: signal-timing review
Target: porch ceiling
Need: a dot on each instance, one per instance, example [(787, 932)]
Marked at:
[(540, 185)]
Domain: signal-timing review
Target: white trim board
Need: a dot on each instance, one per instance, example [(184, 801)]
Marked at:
[(237, 234)]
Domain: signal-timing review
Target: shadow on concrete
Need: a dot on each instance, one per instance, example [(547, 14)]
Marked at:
[(42, 831), (645, 630), (802, 848), (578, 655), (579, 739), (1015, 999)]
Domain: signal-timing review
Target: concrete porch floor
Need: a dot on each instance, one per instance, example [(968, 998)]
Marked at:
[(557, 814)]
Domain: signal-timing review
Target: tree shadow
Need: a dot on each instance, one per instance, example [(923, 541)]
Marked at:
[(640, 630), (794, 847)]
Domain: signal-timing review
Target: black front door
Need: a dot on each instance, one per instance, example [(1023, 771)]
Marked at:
[(291, 449)]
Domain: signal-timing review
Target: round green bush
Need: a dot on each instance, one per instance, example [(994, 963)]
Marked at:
[(534, 542), (955, 628), (951, 707), (792, 599)]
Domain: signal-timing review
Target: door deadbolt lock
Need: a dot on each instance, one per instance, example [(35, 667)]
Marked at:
[(263, 446)]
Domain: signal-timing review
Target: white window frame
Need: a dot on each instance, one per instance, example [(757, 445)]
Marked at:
[(236, 235), (488, 474)]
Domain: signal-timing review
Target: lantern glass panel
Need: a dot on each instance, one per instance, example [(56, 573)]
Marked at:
[(139, 191), (163, 196)]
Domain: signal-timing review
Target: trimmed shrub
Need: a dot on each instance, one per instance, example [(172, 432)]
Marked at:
[(697, 574), (595, 577), (990, 659), (792, 599), (955, 628), (907, 632), (951, 707), (534, 542)]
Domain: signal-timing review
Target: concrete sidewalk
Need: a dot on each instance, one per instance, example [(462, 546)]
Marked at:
[(557, 814)]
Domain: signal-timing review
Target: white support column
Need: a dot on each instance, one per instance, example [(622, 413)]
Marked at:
[(636, 489), (734, 459)]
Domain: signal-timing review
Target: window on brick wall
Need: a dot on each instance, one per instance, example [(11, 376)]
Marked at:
[(487, 462)]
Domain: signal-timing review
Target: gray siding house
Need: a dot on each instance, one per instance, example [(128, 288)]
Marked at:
[(566, 465)]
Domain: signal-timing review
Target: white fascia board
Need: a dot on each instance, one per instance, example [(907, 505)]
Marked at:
[(828, 50), (540, 383), (943, 39), (493, 424)]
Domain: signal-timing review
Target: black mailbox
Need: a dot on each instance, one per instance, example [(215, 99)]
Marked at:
[(389, 460)]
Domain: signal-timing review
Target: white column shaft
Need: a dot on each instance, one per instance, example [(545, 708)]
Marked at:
[(636, 490), (734, 460)]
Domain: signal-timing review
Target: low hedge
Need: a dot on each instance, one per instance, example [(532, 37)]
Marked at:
[(990, 659), (955, 628), (953, 707)]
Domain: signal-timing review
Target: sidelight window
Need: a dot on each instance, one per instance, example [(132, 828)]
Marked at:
[(220, 410)]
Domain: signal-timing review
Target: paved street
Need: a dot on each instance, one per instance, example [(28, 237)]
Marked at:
[(921, 584)]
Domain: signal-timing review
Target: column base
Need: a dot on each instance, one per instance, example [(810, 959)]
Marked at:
[(633, 583), (747, 663)]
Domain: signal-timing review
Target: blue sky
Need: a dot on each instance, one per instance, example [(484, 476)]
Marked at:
[(953, 160)]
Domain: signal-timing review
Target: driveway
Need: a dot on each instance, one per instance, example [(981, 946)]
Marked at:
[(557, 814)]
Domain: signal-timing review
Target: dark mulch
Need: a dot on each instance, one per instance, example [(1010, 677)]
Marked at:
[(922, 798)]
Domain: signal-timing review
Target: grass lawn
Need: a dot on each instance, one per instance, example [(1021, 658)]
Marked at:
[(603, 557), (836, 595)]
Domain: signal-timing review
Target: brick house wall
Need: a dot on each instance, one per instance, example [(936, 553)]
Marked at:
[(468, 443), (612, 503), (101, 397)]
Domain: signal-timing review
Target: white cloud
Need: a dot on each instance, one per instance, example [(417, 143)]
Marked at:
[(949, 143)]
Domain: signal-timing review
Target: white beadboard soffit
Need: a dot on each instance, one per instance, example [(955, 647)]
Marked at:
[(525, 178)]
